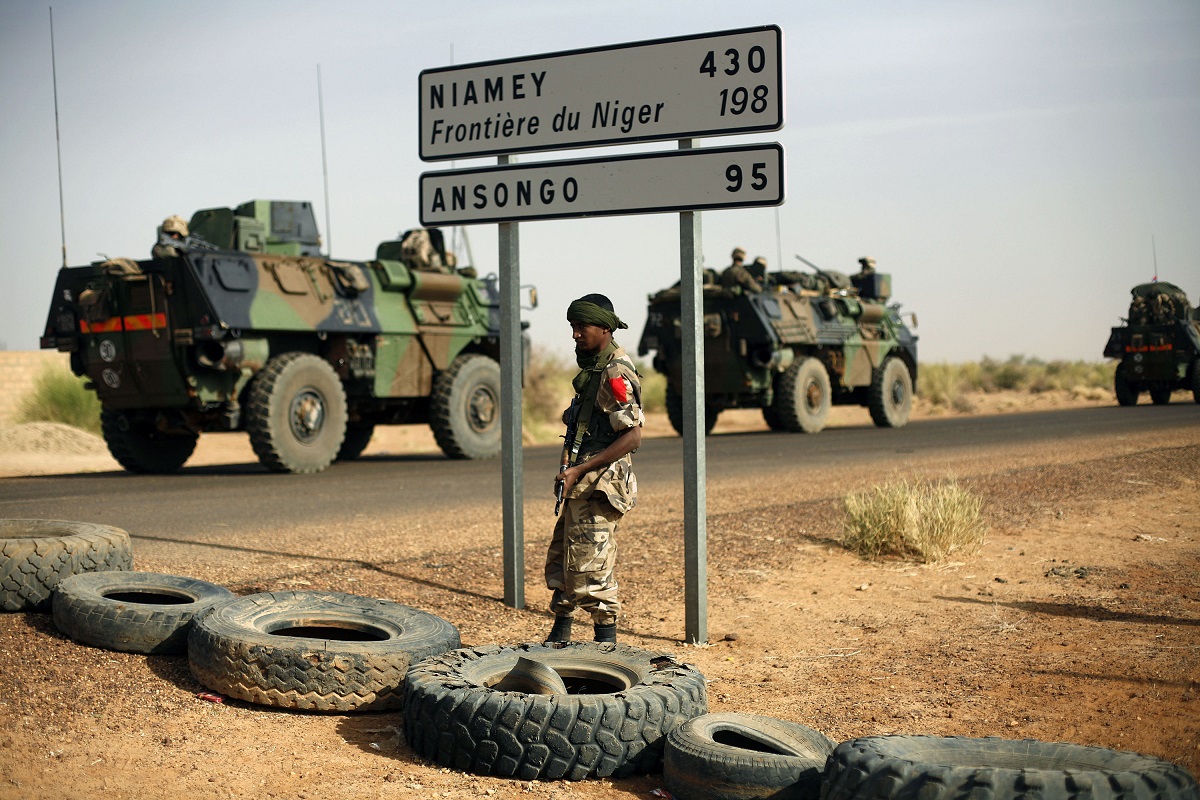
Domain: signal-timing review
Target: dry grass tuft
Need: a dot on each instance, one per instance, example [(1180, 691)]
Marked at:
[(925, 520)]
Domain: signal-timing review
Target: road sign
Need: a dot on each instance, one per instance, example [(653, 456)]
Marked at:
[(675, 180), (686, 87)]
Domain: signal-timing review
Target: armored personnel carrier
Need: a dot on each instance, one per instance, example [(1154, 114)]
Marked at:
[(1158, 347), (802, 344), (237, 323)]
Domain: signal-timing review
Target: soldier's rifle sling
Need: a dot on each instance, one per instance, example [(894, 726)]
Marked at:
[(572, 444)]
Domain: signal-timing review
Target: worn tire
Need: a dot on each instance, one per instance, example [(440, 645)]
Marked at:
[(296, 413), (358, 436), (674, 403), (1196, 380), (891, 397), (803, 396), (240, 649), (140, 448), (771, 417), (1127, 391), (36, 554), (888, 767), (135, 612), (631, 699), (1160, 395), (465, 408), (732, 756)]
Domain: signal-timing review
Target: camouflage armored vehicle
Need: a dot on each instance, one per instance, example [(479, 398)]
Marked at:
[(1158, 347), (802, 344), (237, 323)]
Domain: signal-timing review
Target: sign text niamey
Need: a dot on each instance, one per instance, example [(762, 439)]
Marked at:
[(709, 84), (673, 180)]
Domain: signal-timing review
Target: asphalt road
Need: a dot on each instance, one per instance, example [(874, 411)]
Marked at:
[(219, 500)]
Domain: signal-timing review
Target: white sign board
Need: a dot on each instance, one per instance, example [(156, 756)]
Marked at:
[(675, 180), (687, 87)]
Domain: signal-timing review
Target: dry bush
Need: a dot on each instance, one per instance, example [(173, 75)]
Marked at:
[(58, 396), (926, 521)]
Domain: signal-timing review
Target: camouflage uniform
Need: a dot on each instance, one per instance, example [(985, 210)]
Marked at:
[(583, 548)]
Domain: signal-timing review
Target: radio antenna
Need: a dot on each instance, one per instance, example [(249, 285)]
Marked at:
[(62, 216), (324, 163), (1154, 250)]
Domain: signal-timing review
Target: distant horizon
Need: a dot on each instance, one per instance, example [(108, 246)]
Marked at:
[(1017, 167)]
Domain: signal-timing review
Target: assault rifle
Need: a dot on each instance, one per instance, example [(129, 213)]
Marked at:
[(571, 442)]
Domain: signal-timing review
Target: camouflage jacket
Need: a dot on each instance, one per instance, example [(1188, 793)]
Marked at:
[(618, 407)]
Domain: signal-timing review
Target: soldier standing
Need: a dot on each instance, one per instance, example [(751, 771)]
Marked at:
[(604, 428), (737, 276)]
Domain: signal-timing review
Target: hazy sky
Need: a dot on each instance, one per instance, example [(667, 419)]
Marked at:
[(1009, 163)]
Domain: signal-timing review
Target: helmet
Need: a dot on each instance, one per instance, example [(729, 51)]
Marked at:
[(175, 224), (760, 262), (867, 262), (738, 254)]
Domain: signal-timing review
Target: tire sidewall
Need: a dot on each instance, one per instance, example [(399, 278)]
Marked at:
[(83, 610), (472, 378)]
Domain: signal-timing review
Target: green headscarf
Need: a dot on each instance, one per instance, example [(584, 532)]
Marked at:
[(589, 313)]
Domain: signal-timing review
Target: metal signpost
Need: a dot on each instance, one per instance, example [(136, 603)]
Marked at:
[(710, 84)]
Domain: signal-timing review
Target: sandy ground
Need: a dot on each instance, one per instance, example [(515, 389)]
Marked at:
[(1078, 621)]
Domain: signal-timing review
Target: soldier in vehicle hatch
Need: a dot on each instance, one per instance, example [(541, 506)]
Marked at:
[(173, 229), (595, 478), (737, 277)]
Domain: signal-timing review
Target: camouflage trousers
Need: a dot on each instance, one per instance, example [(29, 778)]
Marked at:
[(581, 558)]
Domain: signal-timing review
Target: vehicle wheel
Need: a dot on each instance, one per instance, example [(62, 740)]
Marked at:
[(140, 447), (674, 403), (1127, 390), (358, 436), (1196, 380), (316, 651), (803, 396), (731, 756), (36, 554), (1160, 395), (891, 394), (621, 703), (465, 408), (135, 612), (885, 767), (296, 414), (771, 417)]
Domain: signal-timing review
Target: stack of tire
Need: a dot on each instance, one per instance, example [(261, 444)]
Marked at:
[(531, 711)]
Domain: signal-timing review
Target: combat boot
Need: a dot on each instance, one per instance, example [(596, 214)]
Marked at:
[(606, 633), (561, 632)]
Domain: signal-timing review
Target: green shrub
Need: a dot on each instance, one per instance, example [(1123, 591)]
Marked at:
[(949, 385), (59, 396), (925, 520)]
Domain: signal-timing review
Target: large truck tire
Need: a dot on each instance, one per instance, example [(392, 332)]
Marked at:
[(674, 403), (803, 396), (465, 408), (37, 554), (315, 651), (733, 756), (1127, 391), (140, 447), (358, 436), (621, 704), (134, 612), (891, 396), (933, 768), (1196, 380), (296, 414)]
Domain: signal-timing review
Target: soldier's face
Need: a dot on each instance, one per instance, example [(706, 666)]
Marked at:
[(589, 338)]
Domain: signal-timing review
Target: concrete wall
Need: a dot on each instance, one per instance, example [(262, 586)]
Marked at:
[(18, 369)]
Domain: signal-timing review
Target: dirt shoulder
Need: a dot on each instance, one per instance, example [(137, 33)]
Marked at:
[(1078, 621)]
